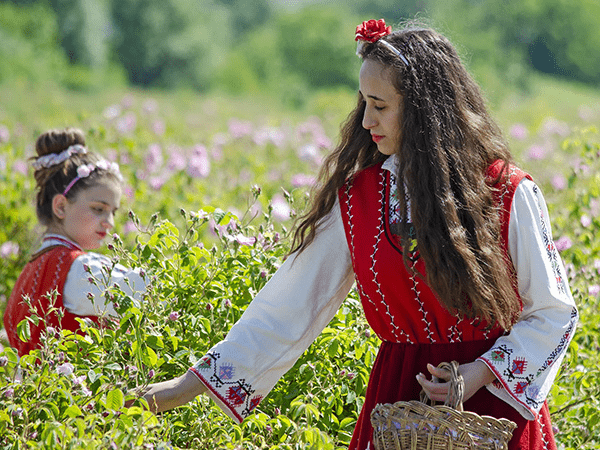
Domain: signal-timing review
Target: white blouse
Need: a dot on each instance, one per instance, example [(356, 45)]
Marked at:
[(302, 297), (75, 296)]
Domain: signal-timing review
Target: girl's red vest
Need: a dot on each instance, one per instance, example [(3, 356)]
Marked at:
[(45, 273)]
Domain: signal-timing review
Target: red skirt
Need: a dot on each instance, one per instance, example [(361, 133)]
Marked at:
[(393, 379)]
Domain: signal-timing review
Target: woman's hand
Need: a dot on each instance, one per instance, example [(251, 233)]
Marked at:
[(475, 375), (172, 393)]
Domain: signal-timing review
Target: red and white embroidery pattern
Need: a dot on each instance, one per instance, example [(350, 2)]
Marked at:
[(361, 291), (219, 378), (455, 335), (550, 247), (379, 233), (561, 348), (522, 380), (541, 424), (422, 309)]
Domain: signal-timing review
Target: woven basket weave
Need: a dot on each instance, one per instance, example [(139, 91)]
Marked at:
[(415, 425)]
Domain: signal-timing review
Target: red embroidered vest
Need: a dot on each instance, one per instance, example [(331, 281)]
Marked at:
[(399, 305), (40, 276)]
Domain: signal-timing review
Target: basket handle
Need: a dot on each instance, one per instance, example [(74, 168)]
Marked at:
[(457, 387)]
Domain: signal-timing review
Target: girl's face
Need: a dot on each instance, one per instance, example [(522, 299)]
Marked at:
[(88, 218), (383, 106)]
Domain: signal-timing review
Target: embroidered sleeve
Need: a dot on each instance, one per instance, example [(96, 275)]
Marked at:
[(280, 323), (526, 360), (85, 298)]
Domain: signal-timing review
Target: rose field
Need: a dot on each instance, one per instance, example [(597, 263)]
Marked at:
[(212, 185)]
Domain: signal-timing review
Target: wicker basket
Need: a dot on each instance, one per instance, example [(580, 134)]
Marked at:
[(415, 425)]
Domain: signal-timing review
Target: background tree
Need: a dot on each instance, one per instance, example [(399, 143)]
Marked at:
[(29, 50), (556, 37), (317, 43), (170, 42), (84, 28), (247, 14)]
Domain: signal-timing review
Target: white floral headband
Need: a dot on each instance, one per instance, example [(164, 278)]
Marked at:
[(43, 162), (85, 170)]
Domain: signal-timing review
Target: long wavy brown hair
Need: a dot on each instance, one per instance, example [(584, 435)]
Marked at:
[(448, 142)]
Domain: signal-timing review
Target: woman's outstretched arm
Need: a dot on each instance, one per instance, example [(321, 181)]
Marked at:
[(173, 393)]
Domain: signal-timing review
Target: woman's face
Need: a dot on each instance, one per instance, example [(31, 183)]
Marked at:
[(383, 106), (88, 218)]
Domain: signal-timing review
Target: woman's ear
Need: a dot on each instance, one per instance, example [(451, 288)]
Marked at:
[(59, 204)]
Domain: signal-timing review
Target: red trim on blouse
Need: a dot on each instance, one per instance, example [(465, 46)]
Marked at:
[(216, 394)]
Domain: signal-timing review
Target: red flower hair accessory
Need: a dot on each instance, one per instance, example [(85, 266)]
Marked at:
[(372, 30)]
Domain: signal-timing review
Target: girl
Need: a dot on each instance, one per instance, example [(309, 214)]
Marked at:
[(448, 242), (78, 195)]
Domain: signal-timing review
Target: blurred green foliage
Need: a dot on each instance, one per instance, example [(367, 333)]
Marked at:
[(170, 43), (236, 47), (250, 46), (84, 27), (29, 35), (318, 44), (205, 264), (557, 37)]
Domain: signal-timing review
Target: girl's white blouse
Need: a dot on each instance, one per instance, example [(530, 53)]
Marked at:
[(304, 294), (76, 293)]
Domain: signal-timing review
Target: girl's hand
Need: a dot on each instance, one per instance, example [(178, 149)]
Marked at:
[(172, 393), (475, 374)]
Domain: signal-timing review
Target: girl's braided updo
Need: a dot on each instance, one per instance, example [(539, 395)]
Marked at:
[(53, 180)]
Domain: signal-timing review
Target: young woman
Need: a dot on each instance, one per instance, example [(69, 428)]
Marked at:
[(78, 195), (448, 242)]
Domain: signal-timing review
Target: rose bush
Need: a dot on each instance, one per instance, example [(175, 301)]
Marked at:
[(207, 245)]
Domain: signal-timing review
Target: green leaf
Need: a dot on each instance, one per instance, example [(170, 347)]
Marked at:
[(149, 419), (351, 397), (174, 342), (23, 330), (155, 341), (115, 399), (347, 421), (4, 417), (359, 350), (333, 348), (150, 357), (113, 366), (219, 214), (93, 376), (73, 411), (312, 410), (205, 324), (80, 424), (134, 411)]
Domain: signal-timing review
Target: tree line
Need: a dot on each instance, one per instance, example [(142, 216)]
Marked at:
[(249, 45)]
